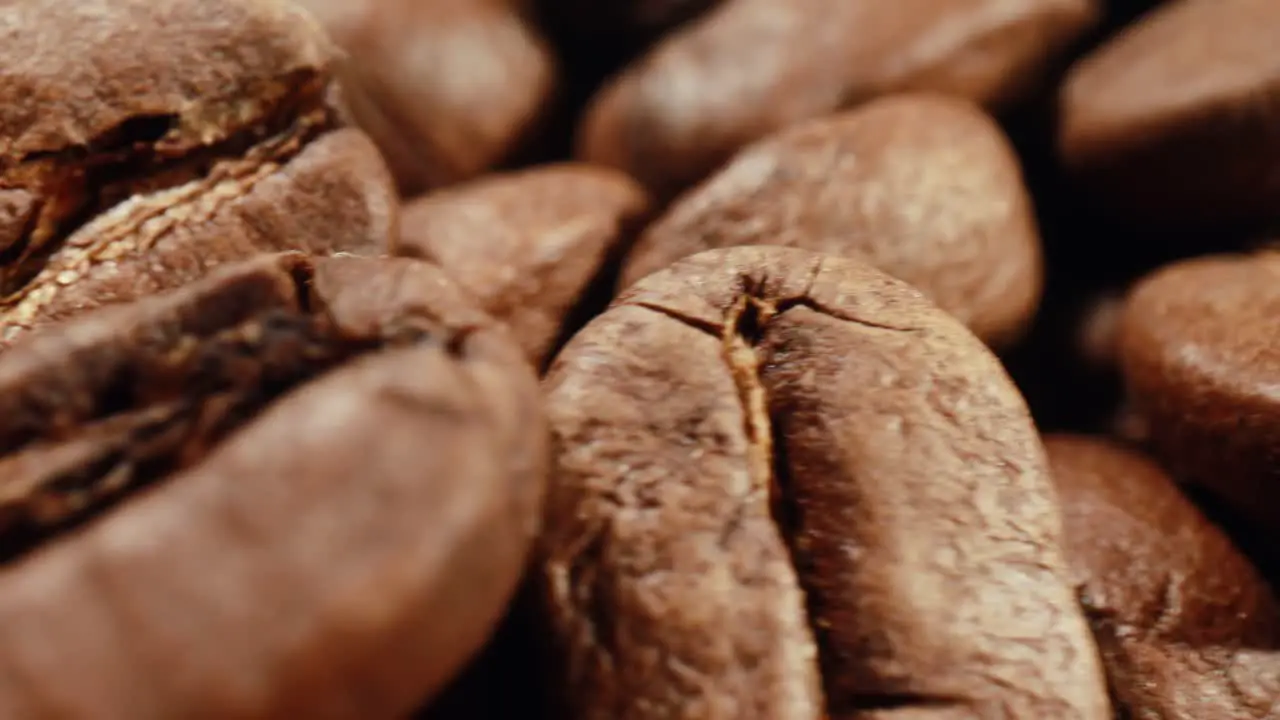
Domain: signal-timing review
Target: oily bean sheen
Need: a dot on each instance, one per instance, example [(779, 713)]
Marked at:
[(750, 67), (924, 187), (294, 489), (1199, 355), (446, 88), (527, 244), (1174, 120), (786, 486), (1187, 628), (145, 141)]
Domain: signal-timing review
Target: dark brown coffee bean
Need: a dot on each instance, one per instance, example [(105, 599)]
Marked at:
[(293, 489), (786, 486), (447, 88), (1173, 121), (144, 141), (1199, 355), (1187, 628), (924, 187), (751, 67), (527, 244)]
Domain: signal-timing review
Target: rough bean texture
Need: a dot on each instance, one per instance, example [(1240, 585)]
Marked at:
[(924, 187), (786, 486), (293, 489), (1186, 625)]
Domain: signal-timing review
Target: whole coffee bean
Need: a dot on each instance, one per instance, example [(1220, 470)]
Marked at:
[(1199, 357), (294, 489), (1170, 122), (447, 88), (145, 141), (786, 486), (527, 244), (1187, 627), (752, 67), (924, 187)]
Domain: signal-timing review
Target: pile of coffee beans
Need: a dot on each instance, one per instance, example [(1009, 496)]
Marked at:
[(639, 359)]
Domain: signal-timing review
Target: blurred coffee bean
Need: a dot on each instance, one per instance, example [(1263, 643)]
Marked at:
[(752, 67), (925, 187), (1172, 122), (447, 88), (1201, 362), (1187, 627), (530, 245)]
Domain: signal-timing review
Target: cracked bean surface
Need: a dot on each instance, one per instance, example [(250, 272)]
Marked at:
[(786, 486)]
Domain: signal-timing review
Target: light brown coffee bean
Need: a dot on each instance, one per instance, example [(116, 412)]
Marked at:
[(529, 244), (295, 489), (924, 187), (446, 88), (751, 67), (143, 142), (786, 486), (1173, 121), (1198, 352), (1187, 627)]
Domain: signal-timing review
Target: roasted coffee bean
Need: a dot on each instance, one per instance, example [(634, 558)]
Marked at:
[(144, 141), (751, 67), (1199, 356), (1172, 122), (785, 485), (528, 244), (447, 88), (1187, 627), (924, 187), (293, 489)]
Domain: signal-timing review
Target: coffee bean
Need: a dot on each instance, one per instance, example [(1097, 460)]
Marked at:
[(293, 489), (924, 187), (1186, 625), (145, 141), (1198, 352), (1172, 121), (787, 486), (447, 88), (528, 244), (751, 67)]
